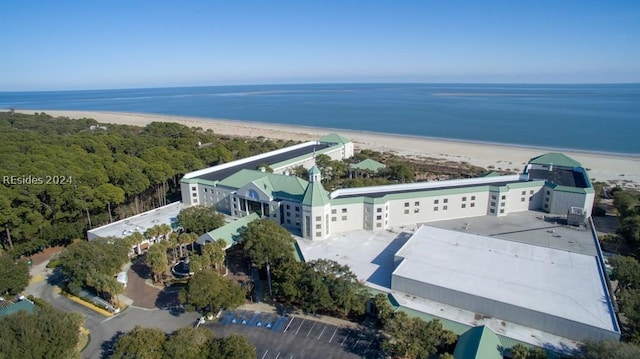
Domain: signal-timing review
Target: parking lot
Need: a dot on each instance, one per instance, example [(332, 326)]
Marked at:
[(290, 337)]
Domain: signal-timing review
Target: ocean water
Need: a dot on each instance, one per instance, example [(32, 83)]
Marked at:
[(599, 118)]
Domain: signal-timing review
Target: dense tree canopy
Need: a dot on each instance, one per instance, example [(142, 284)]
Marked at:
[(95, 264), (185, 343), (200, 219), (45, 334), (66, 176), (413, 337), (14, 277), (209, 291)]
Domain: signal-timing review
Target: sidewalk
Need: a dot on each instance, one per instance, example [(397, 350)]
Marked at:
[(267, 308)]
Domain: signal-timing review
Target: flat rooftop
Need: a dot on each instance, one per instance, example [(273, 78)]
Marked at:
[(140, 223), (561, 177), (381, 191), (532, 227), (223, 173), (561, 283)]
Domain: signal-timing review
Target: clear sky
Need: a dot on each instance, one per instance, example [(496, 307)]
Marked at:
[(65, 44)]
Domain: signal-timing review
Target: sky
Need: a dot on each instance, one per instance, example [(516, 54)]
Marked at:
[(79, 44)]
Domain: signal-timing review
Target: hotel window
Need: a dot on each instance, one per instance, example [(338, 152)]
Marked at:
[(406, 204), (493, 196), (502, 204), (288, 214), (344, 210), (492, 210), (464, 199), (194, 194), (379, 210), (193, 188), (546, 199), (205, 190), (546, 205), (503, 197), (444, 208), (493, 204), (318, 234), (195, 200), (524, 192), (297, 215), (333, 219), (288, 207), (435, 201), (406, 211), (297, 209), (318, 226), (473, 198), (472, 205), (548, 193), (288, 221), (530, 198), (416, 203), (417, 210), (531, 192), (378, 225), (464, 205), (502, 211), (435, 209), (344, 218), (446, 200), (379, 218), (334, 211), (522, 199), (318, 218)]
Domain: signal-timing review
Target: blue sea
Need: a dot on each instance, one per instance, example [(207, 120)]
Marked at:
[(598, 118)]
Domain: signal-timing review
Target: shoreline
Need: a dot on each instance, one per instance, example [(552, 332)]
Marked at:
[(614, 168)]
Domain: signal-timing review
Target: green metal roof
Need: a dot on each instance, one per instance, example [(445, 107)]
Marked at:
[(478, 343), (314, 170), (556, 159), (334, 138), (12, 308), (315, 195), (304, 157), (368, 165), (228, 232), (274, 185)]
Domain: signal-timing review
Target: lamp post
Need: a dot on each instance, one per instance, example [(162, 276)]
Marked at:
[(269, 279)]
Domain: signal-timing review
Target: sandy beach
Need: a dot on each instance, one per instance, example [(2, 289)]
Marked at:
[(614, 169)]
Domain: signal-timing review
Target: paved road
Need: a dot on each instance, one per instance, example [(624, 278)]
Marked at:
[(105, 329)]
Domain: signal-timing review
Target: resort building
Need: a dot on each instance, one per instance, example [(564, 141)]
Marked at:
[(514, 254)]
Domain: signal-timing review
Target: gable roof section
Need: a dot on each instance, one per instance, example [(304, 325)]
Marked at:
[(478, 343), (556, 159), (274, 185), (334, 138), (8, 307), (228, 232), (315, 195), (367, 164)]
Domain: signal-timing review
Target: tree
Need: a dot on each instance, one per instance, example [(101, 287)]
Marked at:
[(215, 252), (625, 202), (15, 276), (209, 291), (383, 308), (95, 263), (188, 343), (413, 337), (266, 239), (185, 239), (46, 333), (157, 260), (144, 343), (200, 219), (609, 350), (626, 270), (233, 347)]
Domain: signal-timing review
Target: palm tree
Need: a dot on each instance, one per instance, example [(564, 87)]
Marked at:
[(184, 239)]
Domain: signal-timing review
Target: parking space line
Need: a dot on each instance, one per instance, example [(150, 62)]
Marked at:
[(367, 348), (314, 324), (325, 327), (332, 335), (299, 327), (277, 355), (357, 341), (345, 338), (291, 321), (265, 354)]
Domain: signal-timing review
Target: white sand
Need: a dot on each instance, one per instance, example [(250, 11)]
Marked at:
[(619, 169)]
